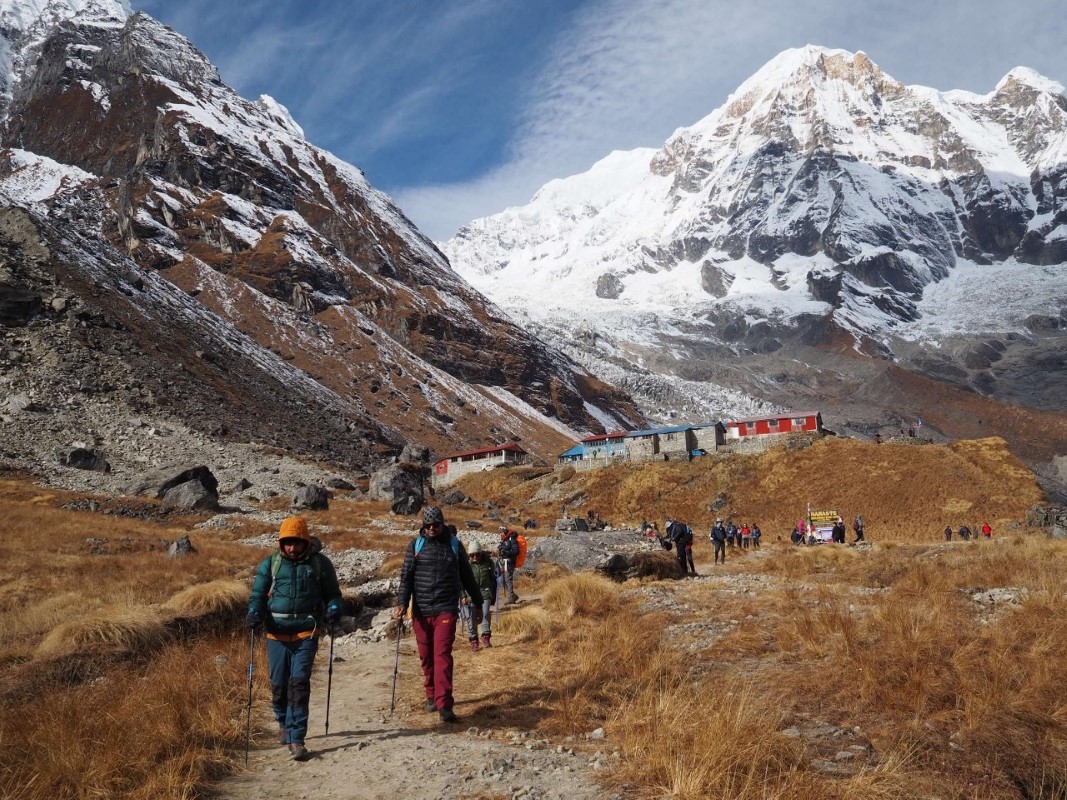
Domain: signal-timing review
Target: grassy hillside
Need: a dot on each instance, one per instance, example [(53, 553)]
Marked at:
[(719, 688), (905, 492)]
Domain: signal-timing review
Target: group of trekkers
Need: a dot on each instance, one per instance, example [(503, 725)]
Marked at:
[(678, 536), (965, 533), (805, 532), (296, 598)]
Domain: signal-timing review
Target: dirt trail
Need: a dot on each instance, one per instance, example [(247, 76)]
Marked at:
[(409, 754)]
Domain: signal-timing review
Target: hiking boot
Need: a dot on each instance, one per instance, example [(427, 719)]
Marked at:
[(430, 706), (283, 735), (474, 644), (486, 640), (448, 715), (513, 598), (297, 751)]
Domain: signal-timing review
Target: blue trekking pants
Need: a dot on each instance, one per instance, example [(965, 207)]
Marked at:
[(290, 666)]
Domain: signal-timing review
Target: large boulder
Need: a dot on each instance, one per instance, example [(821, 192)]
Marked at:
[(195, 488), (85, 458), (400, 485), (313, 498), (407, 506), (192, 495), (415, 454)]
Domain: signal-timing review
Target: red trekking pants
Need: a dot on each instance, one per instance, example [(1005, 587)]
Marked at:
[(435, 636)]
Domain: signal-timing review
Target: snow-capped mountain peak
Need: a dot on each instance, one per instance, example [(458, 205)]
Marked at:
[(822, 202)]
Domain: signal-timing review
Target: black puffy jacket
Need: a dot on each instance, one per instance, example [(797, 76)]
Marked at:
[(433, 580)]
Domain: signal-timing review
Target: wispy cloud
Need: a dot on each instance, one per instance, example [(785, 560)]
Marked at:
[(460, 109), (628, 72)]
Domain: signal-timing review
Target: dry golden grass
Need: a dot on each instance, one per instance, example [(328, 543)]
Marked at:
[(121, 629), (204, 599), (111, 686), (167, 739), (583, 595), (905, 492), (525, 624), (885, 639)]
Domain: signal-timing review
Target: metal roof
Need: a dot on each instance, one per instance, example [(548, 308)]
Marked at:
[(574, 451), (650, 431), (612, 435), (499, 448)]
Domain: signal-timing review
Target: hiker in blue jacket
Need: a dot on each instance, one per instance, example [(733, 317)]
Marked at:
[(295, 596), (436, 570)]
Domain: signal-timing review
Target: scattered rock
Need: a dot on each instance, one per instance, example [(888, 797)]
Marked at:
[(182, 547)]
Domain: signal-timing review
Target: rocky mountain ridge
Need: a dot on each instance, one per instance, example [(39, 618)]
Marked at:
[(171, 248), (826, 228)]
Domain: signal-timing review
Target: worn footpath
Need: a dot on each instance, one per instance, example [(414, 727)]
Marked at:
[(370, 753)]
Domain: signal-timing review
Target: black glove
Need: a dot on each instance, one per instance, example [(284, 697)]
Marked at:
[(254, 620), (333, 616)]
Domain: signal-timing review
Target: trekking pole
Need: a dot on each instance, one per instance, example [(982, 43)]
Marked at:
[(499, 580), (329, 683), (396, 663), (251, 670)]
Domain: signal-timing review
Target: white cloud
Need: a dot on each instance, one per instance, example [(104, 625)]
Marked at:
[(629, 72)]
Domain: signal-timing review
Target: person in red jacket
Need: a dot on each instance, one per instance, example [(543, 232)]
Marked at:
[(987, 531)]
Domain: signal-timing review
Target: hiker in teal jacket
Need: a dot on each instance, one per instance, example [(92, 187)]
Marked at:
[(484, 570), (295, 596)]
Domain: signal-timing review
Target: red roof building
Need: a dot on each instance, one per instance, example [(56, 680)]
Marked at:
[(450, 468)]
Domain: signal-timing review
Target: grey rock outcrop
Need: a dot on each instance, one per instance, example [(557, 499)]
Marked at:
[(85, 458), (313, 498), (400, 485), (194, 488)]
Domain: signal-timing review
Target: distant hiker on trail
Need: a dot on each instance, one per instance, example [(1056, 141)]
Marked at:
[(508, 550), (948, 533), (731, 533), (965, 533), (987, 531), (757, 534), (857, 528), (839, 533), (746, 535), (484, 570), (718, 540), (436, 569), (295, 595), (681, 536)]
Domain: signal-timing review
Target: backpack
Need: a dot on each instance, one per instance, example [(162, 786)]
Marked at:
[(680, 533), (520, 559), (452, 539), (276, 564)]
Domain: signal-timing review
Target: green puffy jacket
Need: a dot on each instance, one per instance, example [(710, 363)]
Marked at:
[(484, 570), (296, 596)]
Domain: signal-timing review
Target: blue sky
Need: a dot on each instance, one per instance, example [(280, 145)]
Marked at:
[(461, 108)]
